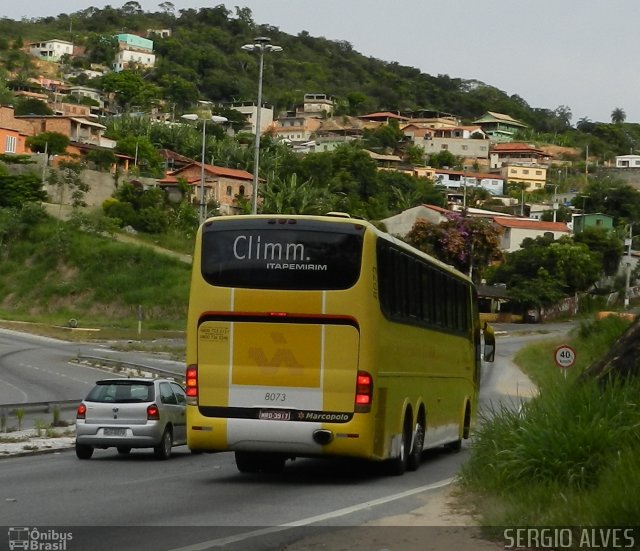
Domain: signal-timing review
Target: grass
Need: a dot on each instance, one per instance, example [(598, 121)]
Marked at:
[(54, 273), (570, 456)]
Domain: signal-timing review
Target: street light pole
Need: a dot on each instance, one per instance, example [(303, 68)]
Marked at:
[(261, 44), (202, 213), (626, 289)]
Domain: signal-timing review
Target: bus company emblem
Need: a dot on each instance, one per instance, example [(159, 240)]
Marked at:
[(283, 357)]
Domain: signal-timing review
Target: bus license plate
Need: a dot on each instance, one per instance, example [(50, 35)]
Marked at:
[(275, 415), (115, 432)]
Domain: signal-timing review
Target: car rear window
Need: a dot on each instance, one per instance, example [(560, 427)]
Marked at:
[(121, 393)]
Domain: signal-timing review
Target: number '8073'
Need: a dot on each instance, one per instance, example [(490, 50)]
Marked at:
[(275, 397)]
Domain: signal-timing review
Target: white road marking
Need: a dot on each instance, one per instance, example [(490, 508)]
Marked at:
[(221, 542)]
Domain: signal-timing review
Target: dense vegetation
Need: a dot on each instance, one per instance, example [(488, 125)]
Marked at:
[(571, 455), (51, 271), (202, 59)]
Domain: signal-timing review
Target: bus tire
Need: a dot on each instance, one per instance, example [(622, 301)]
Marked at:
[(415, 457), (272, 463), (247, 462), (398, 465)]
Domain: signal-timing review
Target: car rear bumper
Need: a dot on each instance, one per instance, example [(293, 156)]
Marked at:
[(136, 436)]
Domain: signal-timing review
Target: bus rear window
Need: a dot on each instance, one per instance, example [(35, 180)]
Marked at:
[(297, 256)]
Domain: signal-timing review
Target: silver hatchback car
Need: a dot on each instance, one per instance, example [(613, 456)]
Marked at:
[(132, 413)]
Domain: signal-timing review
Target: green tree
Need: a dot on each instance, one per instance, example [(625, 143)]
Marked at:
[(53, 143), (31, 106), (618, 116), (101, 48), (103, 159), (606, 244), (445, 159), (143, 151), (130, 88), (560, 268), (19, 189), (67, 178), (287, 196), (469, 244)]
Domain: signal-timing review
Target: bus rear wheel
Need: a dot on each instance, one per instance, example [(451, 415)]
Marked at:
[(250, 462), (398, 465), (415, 457)]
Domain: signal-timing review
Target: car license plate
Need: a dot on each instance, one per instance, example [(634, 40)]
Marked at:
[(115, 432), (275, 415)]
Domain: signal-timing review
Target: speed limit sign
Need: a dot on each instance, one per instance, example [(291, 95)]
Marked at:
[(565, 356)]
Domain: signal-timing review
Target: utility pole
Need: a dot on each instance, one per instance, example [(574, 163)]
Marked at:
[(626, 288), (586, 167)]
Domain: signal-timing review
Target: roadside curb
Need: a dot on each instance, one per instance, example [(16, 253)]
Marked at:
[(27, 453)]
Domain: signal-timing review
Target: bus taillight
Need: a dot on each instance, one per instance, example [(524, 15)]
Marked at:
[(364, 392), (191, 381)]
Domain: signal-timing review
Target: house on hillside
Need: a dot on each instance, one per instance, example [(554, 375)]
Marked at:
[(499, 127), (250, 111), (220, 184), (401, 224), (77, 129), (468, 142), (295, 129), (133, 50), (385, 117), (628, 161), (316, 105), (503, 154), (459, 180), (515, 230), (580, 222), (51, 50)]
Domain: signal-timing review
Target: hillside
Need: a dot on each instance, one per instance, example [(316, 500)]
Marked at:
[(52, 271), (202, 59)]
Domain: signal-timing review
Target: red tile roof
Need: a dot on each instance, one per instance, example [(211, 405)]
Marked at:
[(514, 146), (385, 114), (530, 224), (218, 171)]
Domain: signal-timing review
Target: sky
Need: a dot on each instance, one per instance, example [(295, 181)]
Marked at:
[(551, 53)]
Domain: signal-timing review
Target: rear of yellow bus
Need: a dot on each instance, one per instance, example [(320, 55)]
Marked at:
[(273, 340)]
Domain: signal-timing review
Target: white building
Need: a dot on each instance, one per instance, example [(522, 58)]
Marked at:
[(458, 180), (515, 230), (628, 161), (51, 50)]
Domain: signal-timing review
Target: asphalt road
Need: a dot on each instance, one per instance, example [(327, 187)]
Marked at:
[(196, 502)]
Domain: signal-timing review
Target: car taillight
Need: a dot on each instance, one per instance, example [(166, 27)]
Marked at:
[(364, 392), (191, 381), (153, 413), (81, 412)]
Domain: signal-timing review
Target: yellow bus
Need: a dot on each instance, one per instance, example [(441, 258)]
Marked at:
[(323, 336)]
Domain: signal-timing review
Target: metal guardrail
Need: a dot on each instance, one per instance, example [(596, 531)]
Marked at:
[(129, 365), (47, 406)]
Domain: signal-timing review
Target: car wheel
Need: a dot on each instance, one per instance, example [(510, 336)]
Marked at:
[(413, 461), (83, 451), (122, 450), (163, 449)]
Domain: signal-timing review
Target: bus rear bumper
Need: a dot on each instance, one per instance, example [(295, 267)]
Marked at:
[(293, 438)]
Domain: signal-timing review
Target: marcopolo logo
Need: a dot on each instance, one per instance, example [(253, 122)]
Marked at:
[(38, 540)]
